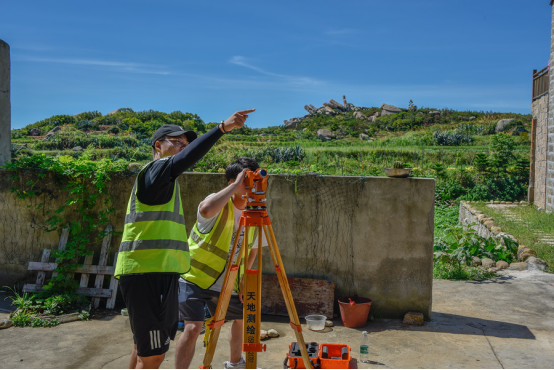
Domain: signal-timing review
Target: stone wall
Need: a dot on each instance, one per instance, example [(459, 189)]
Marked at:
[(371, 236), (539, 109), (5, 104), (550, 133)]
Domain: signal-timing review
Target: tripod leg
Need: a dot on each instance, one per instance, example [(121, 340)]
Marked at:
[(252, 310), (223, 300), (287, 295)]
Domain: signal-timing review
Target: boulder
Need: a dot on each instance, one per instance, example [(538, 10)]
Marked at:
[(387, 109), (337, 105), (359, 115), (34, 132), (496, 230), (435, 112), (502, 265), (310, 110), (472, 118), (51, 133), (487, 262), (113, 112), (413, 318), (503, 124), (364, 137), (5, 323), (525, 253), (77, 149), (325, 135), (518, 266), (476, 261), (292, 123), (536, 264)]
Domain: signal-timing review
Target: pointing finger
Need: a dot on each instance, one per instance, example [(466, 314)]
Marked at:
[(246, 111)]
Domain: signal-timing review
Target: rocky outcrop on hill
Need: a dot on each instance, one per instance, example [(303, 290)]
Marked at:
[(34, 132), (330, 108)]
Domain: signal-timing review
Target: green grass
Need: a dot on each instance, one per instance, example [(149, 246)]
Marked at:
[(456, 271), (524, 232)]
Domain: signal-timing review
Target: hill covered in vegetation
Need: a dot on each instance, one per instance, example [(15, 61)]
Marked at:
[(473, 155)]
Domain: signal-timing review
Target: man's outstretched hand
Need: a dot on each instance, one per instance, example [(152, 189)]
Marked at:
[(236, 120)]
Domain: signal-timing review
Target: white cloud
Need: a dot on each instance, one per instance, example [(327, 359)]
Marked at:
[(130, 67), (296, 80)]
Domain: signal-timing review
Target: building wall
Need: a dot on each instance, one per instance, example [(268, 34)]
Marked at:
[(550, 132), (539, 109), (371, 236)]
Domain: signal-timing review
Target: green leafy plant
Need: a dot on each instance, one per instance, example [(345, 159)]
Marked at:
[(84, 181)]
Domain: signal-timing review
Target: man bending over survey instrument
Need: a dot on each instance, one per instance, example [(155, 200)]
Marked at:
[(210, 242)]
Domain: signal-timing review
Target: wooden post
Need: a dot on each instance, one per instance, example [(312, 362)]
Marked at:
[(63, 242), (533, 92), (99, 282), (41, 275), (114, 283)]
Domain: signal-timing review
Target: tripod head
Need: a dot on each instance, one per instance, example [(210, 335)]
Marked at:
[(256, 186)]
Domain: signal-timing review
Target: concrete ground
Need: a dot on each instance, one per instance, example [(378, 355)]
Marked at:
[(507, 322)]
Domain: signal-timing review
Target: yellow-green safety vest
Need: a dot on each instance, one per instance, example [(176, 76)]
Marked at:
[(154, 237), (209, 252)]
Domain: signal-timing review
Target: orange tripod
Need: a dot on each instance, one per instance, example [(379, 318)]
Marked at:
[(254, 216)]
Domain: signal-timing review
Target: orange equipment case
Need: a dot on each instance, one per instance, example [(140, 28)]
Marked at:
[(322, 356), (337, 356)]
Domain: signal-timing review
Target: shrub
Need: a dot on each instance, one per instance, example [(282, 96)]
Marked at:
[(451, 138)]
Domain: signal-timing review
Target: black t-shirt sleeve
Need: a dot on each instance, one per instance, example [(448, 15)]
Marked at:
[(186, 158), (156, 182)]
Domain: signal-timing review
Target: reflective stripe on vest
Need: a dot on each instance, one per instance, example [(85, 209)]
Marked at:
[(154, 237), (209, 252)]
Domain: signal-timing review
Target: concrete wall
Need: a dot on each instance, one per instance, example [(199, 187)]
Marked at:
[(539, 109), (5, 105), (371, 236)]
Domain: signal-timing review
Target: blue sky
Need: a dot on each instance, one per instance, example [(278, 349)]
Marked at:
[(215, 57)]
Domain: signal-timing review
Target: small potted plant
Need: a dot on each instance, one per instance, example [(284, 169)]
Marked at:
[(397, 170)]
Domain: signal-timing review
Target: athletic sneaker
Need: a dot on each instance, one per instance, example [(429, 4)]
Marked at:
[(240, 365)]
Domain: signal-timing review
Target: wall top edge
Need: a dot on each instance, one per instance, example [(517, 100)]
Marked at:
[(129, 174)]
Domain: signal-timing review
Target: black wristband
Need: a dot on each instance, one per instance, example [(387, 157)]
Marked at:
[(223, 127)]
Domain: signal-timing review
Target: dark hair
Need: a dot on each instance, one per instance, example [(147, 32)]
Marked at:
[(233, 170)]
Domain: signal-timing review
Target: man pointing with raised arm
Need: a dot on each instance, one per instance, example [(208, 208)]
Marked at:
[(154, 249)]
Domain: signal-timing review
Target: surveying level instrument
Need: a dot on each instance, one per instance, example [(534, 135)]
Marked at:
[(253, 216)]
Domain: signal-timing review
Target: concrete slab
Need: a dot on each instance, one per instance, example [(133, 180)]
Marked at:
[(502, 323)]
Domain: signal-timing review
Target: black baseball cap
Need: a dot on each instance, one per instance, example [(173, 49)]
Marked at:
[(172, 130)]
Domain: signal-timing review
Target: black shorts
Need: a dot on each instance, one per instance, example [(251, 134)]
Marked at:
[(152, 301), (192, 300)]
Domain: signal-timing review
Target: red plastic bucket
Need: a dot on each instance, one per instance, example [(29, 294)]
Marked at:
[(354, 311)]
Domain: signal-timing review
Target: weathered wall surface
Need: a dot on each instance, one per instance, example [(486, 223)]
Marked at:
[(5, 104), (539, 109), (550, 133), (372, 236)]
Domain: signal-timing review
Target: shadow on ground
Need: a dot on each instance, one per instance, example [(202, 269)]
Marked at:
[(457, 324)]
